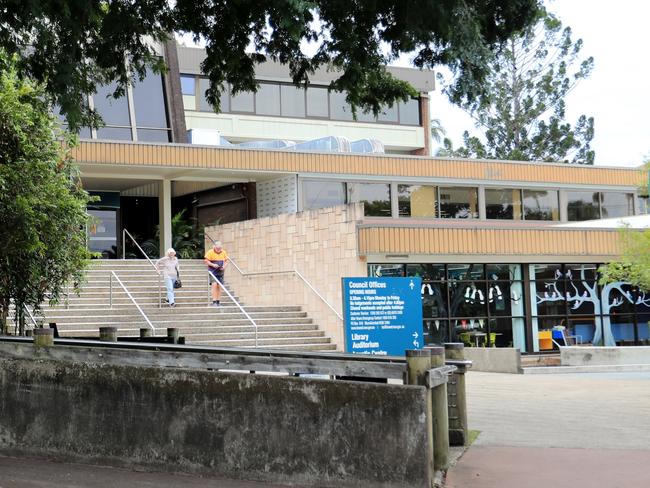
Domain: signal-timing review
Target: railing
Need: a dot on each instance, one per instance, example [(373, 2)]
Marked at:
[(110, 298), (288, 271), (234, 301), (126, 233)]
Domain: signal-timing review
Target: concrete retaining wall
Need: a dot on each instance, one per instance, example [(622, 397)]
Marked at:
[(494, 359), (239, 426), (595, 356)]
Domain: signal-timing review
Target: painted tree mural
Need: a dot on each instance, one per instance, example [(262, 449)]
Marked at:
[(585, 290)]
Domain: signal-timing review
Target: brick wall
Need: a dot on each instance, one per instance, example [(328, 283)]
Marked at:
[(320, 244)]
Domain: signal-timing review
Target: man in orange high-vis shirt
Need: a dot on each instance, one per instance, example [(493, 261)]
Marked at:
[(216, 260)]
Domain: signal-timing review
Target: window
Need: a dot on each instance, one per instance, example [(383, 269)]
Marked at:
[(541, 205), (458, 203), (503, 203), (617, 204), (388, 114), (149, 102), (417, 201), (267, 99), (340, 109), (583, 205), (203, 104), (293, 101), (243, 102), (115, 133), (409, 112), (317, 102), (113, 111), (375, 197), (320, 194), (188, 85)]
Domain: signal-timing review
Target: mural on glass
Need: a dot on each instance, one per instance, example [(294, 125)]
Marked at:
[(590, 308)]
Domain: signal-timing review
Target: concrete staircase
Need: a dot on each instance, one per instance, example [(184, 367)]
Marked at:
[(280, 326)]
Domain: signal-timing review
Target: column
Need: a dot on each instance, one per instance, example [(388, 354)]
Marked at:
[(165, 215)]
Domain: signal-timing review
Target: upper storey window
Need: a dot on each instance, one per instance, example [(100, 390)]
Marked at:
[(140, 115), (286, 100)]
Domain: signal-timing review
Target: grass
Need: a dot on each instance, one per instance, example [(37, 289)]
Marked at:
[(473, 435)]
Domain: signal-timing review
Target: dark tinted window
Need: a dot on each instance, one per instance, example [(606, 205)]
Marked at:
[(149, 101)]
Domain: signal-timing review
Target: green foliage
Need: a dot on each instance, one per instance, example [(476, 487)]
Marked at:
[(42, 205), (187, 239), (634, 264), (72, 46), (522, 110)]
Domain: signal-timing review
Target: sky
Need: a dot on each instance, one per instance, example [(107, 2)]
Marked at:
[(616, 94)]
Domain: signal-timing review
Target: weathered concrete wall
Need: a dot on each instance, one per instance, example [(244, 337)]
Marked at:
[(278, 429), (598, 356), (494, 359), (321, 244)]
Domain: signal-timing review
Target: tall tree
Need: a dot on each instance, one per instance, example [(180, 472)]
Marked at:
[(72, 46), (42, 206), (521, 112)]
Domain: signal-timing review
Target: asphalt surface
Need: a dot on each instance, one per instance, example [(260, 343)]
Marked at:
[(588, 430)]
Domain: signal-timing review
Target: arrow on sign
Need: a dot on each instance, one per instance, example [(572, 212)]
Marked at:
[(415, 335), (416, 343), (411, 285)]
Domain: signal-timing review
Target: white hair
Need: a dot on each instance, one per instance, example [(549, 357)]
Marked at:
[(171, 250)]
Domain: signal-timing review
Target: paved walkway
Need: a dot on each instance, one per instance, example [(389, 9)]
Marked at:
[(34, 473), (563, 430)]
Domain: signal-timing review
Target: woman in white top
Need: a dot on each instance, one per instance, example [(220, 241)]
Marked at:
[(168, 265)]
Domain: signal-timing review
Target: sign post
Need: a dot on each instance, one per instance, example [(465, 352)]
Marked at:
[(383, 316)]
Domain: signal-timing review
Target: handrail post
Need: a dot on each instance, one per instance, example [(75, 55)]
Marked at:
[(418, 362), (110, 290), (159, 292), (440, 414), (123, 244), (457, 399)]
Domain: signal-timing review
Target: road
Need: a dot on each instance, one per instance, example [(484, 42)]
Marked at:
[(587, 430)]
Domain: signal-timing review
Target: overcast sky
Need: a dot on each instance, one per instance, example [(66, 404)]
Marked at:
[(616, 94)]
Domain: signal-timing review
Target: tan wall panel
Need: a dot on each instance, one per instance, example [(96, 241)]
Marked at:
[(389, 240), (222, 158)]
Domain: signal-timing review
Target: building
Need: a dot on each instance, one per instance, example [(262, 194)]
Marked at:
[(495, 242)]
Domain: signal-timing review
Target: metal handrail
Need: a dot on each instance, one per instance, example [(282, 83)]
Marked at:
[(127, 233), (110, 298), (235, 302), (31, 316), (287, 271)]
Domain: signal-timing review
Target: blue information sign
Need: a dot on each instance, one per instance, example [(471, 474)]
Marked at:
[(383, 316)]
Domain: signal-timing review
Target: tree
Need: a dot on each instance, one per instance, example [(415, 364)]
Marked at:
[(522, 110), (633, 266), (437, 130), (72, 46), (42, 206)]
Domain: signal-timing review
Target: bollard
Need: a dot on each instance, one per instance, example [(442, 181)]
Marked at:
[(29, 332), (172, 334), (458, 429), (145, 332), (43, 337), (108, 334), (440, 414), (418, 362)]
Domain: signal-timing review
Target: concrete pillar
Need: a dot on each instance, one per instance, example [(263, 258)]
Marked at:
[(457, 399), (165, 215), (43, 337), (108, 334), (418, 362), (172, 334), (440, 414)]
